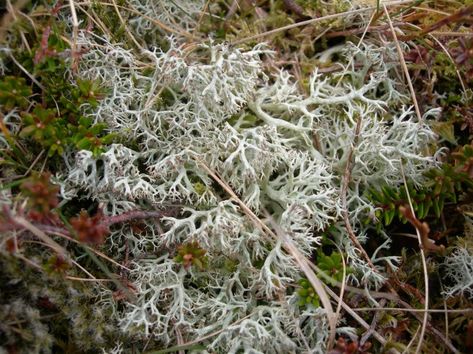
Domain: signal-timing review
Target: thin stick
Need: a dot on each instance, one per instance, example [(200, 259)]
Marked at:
[(9, 17), (343, 284), (127, 30), (97, 252), (452, 34), (404, 66), (424, 265), (373, 294), (27, 73), (447, 53), (41, 235), (83, 269), (201, 17), (28, 261), (33, 164), (436, 334), (75, 32), (402, 309), (96, 20), (71, 260), (87, 279), (406, 350), (136, 12), (343, 197), (374, 322), (451, 59), (357, 317), (11, 12)]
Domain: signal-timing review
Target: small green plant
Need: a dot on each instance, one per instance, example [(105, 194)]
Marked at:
[(307, 294), (444, 184), (388, 199), (332, 266), (14, 93)]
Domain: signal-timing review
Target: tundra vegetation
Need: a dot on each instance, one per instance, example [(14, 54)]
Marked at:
[(236, 176)]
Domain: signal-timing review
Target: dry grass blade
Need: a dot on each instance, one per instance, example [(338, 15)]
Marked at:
[(75, 33), (127, 30), (87, 279), (357, 317), (406, 350), (22, 68), (445, 50), (316, 20), (303, 263), (401, 309), (9, 17), (41, 235), (97, 252), (404, 66), (343, 197), (158, 23), (342, 284), (424, 265)]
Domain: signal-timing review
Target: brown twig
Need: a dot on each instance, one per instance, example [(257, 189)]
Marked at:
[(456, 17), (343, 197), (136, 215), (291, 5), (423, 229)]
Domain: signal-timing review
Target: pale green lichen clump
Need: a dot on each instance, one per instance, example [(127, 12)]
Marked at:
[(256, 130)]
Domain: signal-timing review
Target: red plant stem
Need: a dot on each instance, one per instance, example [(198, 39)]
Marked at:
[(9, 225), (134, 215)]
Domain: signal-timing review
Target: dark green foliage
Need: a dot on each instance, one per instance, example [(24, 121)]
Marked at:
[(332, 266), (444, 184), (307, 294), (57, 116), (389, 199), (14, 93)]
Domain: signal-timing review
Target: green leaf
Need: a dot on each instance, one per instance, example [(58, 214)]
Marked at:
[(428, 205), (83, 144), (303, 292), (445, 130), (27, 131), (389, 216), (108, 139), (85, 121), (420, 210), (437, 208), (389, 192)]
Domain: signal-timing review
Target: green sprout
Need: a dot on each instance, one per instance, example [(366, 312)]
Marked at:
[(307, 294)]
